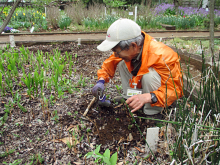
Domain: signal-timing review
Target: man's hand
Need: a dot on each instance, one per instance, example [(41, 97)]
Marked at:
[(137, 101)]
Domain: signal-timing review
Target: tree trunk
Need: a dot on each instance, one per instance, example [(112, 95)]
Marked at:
[(211, 30), (5, 23), (149, 4), (176, 5)]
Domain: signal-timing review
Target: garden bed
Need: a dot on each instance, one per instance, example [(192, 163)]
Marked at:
[(39, 132), (38, 135)]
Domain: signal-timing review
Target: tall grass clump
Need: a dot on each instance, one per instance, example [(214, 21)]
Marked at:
[(102, 23), (78, 11), (53, 16), (191, 131), (64, 22), (196, 120)]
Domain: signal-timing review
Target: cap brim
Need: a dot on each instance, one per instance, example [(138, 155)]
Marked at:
[(107, 45)]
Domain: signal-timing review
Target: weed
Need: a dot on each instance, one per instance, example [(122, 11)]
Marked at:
[(36, 159), (16, 162), (105, 158), (55, 117), (6, 153), (69, 113)]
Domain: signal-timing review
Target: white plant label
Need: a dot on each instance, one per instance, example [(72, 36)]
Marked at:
[(12, 41)]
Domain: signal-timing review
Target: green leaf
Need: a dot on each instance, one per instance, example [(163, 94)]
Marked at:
[(114, 158), (7, 110), (0, 79), (89, 155), (97, 160), (97, 149), (21, 107), (106, 160), (107, 153)]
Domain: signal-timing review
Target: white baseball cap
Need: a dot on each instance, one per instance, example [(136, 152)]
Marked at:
[(122, 29)]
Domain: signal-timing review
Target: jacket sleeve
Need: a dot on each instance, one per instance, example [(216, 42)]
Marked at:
[(168, 67), (108, 68)]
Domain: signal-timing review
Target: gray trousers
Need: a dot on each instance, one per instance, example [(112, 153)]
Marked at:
[(150, 82)]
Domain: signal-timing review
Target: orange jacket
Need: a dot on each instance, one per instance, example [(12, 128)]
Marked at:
[(160, 57)]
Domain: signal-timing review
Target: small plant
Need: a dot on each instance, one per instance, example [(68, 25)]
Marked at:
[(105, 158), (69, 145), (6, 153), (16, 162), (36, 159), (55, 117), (69, 113), (64, 22)]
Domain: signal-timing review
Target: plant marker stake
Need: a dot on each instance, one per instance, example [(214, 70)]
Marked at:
[(135, 14), (79, 41), (12, 41), (89, 106), (152, 139), (32, 29)]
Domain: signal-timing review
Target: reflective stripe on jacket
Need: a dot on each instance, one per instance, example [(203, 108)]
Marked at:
[(160, 57)]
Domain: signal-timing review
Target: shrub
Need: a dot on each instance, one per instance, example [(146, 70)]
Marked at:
[(170, 11), (27, 24), (78, 12), (53, 16), (206, 22), (44, 25), (64, 22)]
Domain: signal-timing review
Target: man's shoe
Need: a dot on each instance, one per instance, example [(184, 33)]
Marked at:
[(119, 99)]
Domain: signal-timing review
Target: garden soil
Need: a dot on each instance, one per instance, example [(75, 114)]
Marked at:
[(56, 132)]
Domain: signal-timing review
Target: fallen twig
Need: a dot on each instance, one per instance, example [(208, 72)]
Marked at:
[(89, 106)]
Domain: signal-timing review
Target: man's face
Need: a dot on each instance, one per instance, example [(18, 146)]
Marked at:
[(126, 55)]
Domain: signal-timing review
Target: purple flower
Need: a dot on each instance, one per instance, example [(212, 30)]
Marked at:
[(160, 10), (7, 29)]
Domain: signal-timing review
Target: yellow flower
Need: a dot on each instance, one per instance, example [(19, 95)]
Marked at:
[(33, 23), (24, 14), (37, 12), (33, 13), (16, 14)]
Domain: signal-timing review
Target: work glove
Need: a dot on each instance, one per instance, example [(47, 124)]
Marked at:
[(103, 102), (98, 89)]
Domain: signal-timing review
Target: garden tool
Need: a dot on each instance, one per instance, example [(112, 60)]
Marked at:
[(102, 99)]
